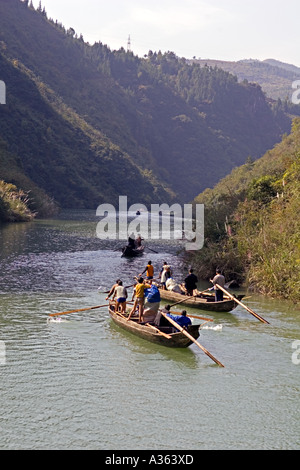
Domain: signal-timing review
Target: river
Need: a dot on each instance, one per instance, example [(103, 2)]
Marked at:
[(83, 383)]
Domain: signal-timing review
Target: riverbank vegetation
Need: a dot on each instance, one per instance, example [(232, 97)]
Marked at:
[(252, 223), (14, 204)]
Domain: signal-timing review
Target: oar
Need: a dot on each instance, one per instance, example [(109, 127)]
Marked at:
[(202, 292), (243, 305), (151, 249), (174, 323), (118, 248), (184, 300), (78, 310)]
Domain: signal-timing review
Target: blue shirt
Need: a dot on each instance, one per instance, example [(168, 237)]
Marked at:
[(182, 320)]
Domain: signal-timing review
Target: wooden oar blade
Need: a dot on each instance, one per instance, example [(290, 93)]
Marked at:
[(243, 305), (75, 311)]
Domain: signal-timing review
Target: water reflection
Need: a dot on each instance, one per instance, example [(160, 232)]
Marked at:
[(185, 357), (14, 239)]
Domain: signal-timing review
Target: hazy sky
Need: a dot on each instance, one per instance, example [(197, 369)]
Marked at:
[(210, 29)]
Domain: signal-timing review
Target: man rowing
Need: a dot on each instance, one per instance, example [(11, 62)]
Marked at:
[(218, 279), (112, 289)]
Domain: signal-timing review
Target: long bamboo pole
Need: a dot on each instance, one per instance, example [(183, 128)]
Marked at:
[(183, 300), (243, 305)]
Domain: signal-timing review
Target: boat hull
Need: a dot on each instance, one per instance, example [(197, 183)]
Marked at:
[(129, 252), (208, 304), (176, 340)]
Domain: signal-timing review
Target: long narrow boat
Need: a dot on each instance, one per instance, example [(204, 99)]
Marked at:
[(129, 252), (205, 302), (163, 335)]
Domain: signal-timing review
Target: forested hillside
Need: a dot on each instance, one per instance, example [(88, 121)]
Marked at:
[(86, 124), (274, 77), (252, 222)]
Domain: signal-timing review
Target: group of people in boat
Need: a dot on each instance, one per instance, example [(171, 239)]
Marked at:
[(147, 301), (133, 242), (189, 286), (146, 295)]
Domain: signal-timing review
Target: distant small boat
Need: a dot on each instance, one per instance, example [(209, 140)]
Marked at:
[(163, 335), (129, 252)]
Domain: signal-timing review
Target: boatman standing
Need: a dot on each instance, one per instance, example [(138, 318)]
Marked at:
[(139, 298), (218, 279), (120, 293), (190, 282), (149, 270), (112, 289)]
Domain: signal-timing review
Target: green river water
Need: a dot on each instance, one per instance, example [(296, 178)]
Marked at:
[(83, 383)]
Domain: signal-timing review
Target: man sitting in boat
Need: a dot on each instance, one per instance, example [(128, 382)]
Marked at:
[(182, 319)]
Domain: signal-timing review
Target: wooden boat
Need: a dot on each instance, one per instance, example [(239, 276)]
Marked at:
[(129, 252), (207, 302), (163, 335)]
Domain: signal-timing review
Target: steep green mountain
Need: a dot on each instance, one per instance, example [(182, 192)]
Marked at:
[(86, 124), (59, 151), (273, 76), (252, 222)]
